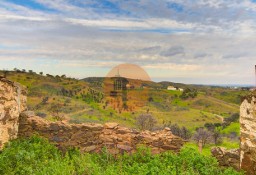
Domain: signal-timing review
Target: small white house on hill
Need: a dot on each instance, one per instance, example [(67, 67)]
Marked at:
[(171, 88)]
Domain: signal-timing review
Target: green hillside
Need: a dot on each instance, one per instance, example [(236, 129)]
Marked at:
[(82, 101)]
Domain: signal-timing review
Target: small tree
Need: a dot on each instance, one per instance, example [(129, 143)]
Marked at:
[(5, 73), (209, 126), (63, 76), (45, 100), (125, 106), (16, 70), (185, 133), (216, 135), (146, 122), (202, 135), (56, 112), (182, 132), (150, 99), (188, 93), (233, 118), (175, 129)]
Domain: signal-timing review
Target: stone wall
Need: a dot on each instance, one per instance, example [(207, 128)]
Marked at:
[(227, 158), (93, 137), (12, 103), (248, 135)]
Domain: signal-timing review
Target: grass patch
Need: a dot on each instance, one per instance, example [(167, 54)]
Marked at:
[(233, 127), (206, 151)]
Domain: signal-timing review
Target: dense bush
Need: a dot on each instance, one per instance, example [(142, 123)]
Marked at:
[(233, 118), (41, 114), (180, 131), (37, 156), (146, 122), (189, 93)]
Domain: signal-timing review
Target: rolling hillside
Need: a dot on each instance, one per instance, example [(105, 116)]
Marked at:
[(83, 101)]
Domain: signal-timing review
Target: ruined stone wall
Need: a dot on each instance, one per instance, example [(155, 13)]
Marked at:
[(227, 158), (12, 103), (93, 137), (248, 135)]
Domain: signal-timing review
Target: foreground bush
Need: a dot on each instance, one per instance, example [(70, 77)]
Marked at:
[(37, 156)]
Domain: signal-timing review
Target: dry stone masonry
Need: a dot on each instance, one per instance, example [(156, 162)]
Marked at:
[(12, 103), (248, 135), (227, 158), (94, 137)]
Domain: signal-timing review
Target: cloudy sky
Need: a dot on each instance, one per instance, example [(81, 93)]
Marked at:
[(189, 41)]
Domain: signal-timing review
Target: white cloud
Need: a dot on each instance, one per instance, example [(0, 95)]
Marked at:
[(173, 67), (16, 17), (206, 39)]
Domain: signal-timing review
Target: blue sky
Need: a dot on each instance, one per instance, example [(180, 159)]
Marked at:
[(31, 4), (189, 41)]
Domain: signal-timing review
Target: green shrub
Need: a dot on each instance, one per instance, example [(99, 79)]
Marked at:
[(27, 156), (37, 156)]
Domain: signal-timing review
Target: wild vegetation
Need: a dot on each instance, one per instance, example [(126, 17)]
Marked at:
[(38, 157)]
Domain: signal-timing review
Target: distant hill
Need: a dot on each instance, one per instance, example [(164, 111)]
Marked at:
[(98, 81)]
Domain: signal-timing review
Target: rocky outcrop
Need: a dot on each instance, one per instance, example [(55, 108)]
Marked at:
[(94, 137), (227, 158), (248, 135), (12, 103)]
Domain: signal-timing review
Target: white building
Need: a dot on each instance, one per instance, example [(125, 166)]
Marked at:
[(171, 88), (180, 89)]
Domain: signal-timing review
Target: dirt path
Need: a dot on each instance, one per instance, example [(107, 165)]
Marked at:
[(223, 102), (220, 117)]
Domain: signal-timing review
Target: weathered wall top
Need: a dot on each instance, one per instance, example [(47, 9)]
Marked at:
[(94, 137), (12, 102)]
